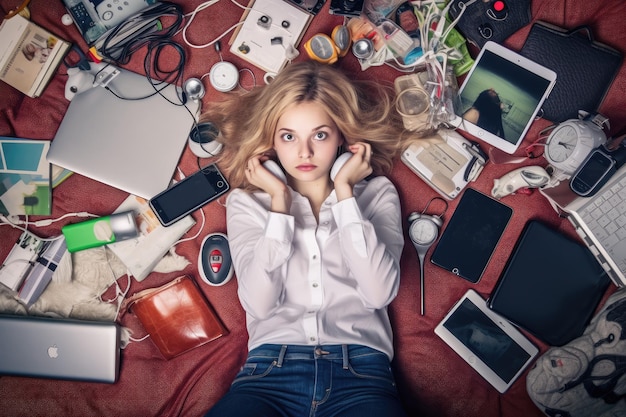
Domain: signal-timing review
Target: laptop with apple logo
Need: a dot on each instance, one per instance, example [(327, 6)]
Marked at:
[(57, 348)]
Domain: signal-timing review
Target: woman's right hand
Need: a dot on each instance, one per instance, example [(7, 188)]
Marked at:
[(261, 177)]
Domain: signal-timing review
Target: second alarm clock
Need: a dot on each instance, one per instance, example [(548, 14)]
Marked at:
[(571, 141), (423, 231)]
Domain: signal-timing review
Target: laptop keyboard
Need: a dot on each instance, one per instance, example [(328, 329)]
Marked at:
[(605, 214)]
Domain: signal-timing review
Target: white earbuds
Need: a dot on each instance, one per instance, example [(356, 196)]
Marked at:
[(66, 19)]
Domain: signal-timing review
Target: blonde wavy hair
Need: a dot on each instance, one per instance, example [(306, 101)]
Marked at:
[(362, 111)]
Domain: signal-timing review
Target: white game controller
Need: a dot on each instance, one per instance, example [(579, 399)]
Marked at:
[(114, 12), (79, 81), (532, 176)]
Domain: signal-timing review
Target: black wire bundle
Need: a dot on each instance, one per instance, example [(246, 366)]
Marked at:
[(139, 30), (146, 29), (152, 65)]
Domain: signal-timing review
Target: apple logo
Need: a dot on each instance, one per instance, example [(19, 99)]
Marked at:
[(53, 351)]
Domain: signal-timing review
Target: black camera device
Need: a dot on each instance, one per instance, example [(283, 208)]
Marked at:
[(493, 20), (351, 8), (311, 6)]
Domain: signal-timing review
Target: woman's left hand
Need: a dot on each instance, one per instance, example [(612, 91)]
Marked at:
[(356, 169)]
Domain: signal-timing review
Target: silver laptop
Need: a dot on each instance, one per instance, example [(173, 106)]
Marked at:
[(133, 145), (601, 221), (59, 348)]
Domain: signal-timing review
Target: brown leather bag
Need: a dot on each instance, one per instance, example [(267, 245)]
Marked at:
[(176, 315)]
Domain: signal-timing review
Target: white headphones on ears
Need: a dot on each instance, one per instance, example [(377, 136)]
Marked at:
[(204, 140)]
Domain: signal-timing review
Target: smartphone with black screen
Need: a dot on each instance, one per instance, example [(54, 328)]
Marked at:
[(188, 195), (471, 236)]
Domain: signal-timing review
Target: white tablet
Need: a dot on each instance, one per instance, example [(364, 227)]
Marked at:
[(487, 341), (501, 95)]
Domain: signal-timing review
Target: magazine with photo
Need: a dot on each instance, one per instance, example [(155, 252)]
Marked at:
[(25, 185)]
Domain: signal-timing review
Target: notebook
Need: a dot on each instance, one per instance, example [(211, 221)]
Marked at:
[(550, 286), (59, 348), (601, 221), (133, 145)]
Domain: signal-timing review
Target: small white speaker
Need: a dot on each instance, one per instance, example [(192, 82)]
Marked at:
[(204, 140)]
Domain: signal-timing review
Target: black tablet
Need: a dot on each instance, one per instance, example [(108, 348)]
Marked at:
[(550, 286), (471, 236)]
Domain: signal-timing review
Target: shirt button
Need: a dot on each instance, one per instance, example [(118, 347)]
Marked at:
[(314, 257), (315, 285), (312, 339)]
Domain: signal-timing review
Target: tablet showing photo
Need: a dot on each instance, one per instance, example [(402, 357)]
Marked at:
[(501, 95), (486, 341)]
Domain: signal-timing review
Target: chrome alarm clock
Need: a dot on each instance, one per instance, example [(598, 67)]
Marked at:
[(571, 141), (424, 231)]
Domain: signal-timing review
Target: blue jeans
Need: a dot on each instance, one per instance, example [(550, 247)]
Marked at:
[(312, 381)]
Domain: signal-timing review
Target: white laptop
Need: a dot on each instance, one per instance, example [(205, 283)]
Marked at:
[(59, 348), (134, 145), (601, 222)]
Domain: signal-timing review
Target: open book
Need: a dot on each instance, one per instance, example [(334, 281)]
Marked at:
[(29, 55)]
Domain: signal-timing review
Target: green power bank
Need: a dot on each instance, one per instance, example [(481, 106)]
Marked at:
[(100, 231)]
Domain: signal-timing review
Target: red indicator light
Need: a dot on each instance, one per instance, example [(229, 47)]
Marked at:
[(216, 260)]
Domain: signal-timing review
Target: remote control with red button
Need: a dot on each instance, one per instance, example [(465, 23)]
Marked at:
[(214, 262)]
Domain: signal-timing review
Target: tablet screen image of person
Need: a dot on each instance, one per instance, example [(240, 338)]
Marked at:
[(486, 112), (316, 260)]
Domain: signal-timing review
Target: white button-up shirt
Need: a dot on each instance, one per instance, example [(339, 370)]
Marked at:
[(308, 283)]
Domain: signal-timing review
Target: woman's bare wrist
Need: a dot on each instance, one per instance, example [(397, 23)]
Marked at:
[(281, 201), (343, 191)]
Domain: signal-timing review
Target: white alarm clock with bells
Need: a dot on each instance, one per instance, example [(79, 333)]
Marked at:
[(424, 231), (571, 141)]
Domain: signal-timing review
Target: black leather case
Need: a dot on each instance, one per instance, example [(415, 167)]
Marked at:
[(585, 68)]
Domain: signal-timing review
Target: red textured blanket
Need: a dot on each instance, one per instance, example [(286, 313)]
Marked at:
[(432, 379)]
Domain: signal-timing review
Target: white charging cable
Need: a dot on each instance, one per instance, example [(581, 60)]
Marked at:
[(192, 16), (15, 222)]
